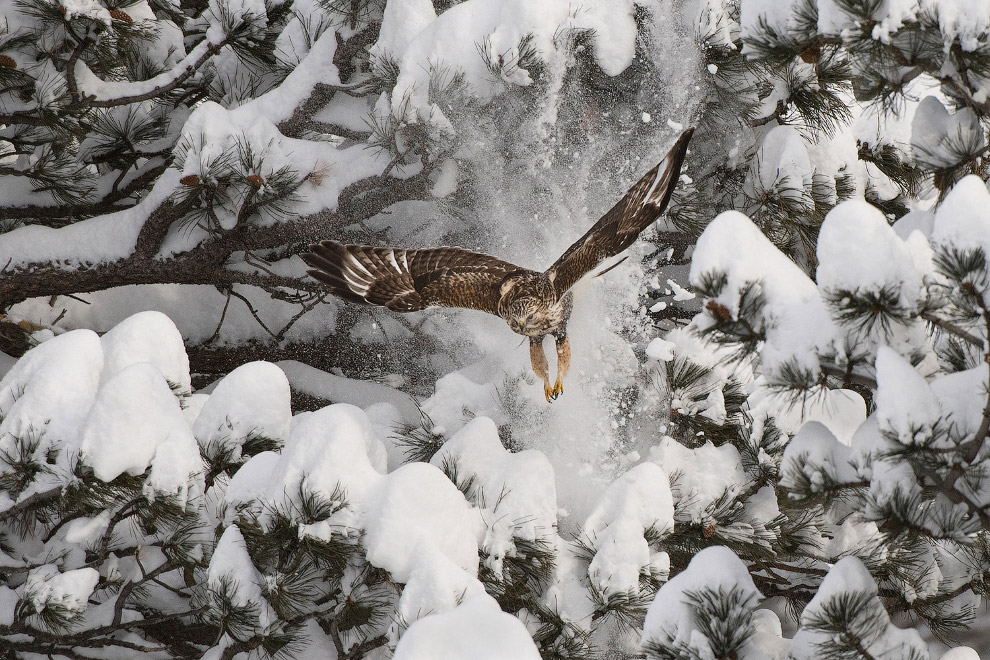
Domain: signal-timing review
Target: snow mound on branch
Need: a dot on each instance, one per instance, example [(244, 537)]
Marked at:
[(420, 529), (960, 653), (475, 629), (135, 423), (46, 587), (849, 576), (86, 9), (341, 389), (327, 455), (401, 22), (252, 401), (416, 523), (782, 161), (638, 501), (906, 406), (44, 399), (8, 605), (965, 20), (889, 15), (418, 501), (859, 252), (752, 278), (515, 491), (699, 476), (486, 40), (147, 337), (841, 410), (232, 572), (962, 220), (249, 485), (733, 245), (961, 396), (671, 620), (455, 393), (777, 14), (938, 138), (814, 455)]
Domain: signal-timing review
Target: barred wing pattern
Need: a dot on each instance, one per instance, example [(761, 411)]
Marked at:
[(409, 280), (618, 229)]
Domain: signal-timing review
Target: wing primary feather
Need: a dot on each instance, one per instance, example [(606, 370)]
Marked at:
[(642, 205)]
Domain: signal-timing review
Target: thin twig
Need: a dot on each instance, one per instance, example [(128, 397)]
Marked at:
[(952, 329), (253, 311)]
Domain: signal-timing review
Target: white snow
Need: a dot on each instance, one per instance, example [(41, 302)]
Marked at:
[(937, 137), (905, 404), (327, 452), (515, 491), (251, 401), (732, 244), (46, 396), (815, 454), (475, 629), (147, 337), (417, 503), (340, 389), (635, 502), (135, 423), (47, 587), (782, 161), (8, 603), (90, 9), (840, 410), (660, 349), (699, 476), (231, 567), (457, 40), (103, 238), (670, 619), (962, 220), (859, 252), (848, 576), (87, 530), (401, 22)]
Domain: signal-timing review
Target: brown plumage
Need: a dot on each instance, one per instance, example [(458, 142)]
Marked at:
[(534, 304)]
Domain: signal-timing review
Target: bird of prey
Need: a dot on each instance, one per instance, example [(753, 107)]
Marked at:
[(534, 304)]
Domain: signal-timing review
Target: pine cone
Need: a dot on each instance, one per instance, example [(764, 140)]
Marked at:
[(8, 62), (121, 15), (719, 311), (190, 180)]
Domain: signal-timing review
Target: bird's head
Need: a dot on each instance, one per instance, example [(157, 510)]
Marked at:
[(527, 317), (527, 302)]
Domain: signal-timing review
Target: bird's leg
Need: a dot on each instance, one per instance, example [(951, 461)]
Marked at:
[(563, 363), (539, 360)]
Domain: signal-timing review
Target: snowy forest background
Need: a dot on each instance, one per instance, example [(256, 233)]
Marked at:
[(773, 439)]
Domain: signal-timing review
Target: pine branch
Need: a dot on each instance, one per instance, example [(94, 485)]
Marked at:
[(188, 68), (44, 497), (204, 263)]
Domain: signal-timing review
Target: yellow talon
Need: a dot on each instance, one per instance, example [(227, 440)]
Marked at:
[(552, 393)]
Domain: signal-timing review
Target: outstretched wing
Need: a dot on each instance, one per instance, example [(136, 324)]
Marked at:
[(409, 280), (620, 227)]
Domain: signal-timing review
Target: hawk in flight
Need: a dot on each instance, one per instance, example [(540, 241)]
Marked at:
[(534, 304)]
